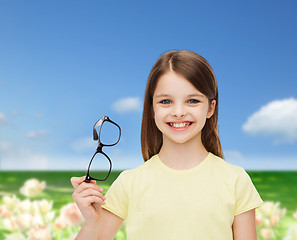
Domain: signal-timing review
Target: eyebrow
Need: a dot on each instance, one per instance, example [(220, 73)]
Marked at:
[(196, 95), (162, 95), (189, 96)]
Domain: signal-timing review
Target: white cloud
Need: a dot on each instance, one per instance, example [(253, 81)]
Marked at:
[(129, 104), (277, 118), (37, 134), (3, 118), (84, 145)]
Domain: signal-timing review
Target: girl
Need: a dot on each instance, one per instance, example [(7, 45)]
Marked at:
[(184, 190)]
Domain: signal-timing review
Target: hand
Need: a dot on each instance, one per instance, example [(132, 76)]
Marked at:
[(88, 197)]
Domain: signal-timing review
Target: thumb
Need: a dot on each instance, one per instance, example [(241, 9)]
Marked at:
[(76, 181)]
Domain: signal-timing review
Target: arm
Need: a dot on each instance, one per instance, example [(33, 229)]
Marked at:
[(109, 225), (244, 226), (107, 228), (99, 224)]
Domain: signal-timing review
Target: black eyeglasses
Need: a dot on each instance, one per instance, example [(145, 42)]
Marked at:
[(109, 135)]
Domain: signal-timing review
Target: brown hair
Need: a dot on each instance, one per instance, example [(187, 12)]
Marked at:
[(197, 71)]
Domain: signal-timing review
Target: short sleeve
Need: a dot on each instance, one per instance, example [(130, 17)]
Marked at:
[(246, 195), (117, 198)]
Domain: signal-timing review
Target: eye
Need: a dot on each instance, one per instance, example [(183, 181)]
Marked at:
[(193, 101), (165, 101)]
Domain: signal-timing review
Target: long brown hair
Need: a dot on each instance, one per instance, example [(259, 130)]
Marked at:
[(197, 71)]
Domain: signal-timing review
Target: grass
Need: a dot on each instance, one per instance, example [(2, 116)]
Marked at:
[(276, 186)]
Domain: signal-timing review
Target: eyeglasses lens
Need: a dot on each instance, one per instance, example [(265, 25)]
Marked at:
[(99, 167), (109, 134)]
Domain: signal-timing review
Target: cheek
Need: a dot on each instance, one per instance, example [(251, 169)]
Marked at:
[(201, 116), (160, 113), (156, 114), (158, 117)]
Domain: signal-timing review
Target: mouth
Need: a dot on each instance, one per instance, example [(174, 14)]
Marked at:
[(179, 125)]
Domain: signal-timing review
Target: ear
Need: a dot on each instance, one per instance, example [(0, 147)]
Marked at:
[(211, 108)]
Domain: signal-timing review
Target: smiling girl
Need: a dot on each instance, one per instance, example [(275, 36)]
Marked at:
[(185, 189)]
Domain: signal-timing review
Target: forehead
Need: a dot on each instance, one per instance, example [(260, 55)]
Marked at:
[(174, 84)]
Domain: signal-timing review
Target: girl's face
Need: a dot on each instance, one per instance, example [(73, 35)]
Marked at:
[(180, 109)]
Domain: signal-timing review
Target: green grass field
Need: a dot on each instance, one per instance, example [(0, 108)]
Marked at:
[(276, 186)]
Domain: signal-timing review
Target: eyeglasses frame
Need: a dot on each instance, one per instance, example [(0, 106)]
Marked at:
[(96, 137)]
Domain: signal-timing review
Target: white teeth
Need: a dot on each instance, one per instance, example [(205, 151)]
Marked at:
[(179, 125)]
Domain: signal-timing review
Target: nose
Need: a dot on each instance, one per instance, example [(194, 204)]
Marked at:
[(178, 111)]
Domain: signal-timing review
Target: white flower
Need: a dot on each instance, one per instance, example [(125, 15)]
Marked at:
[(270, 213), (24, 221), (43, 206), (15, 236), (41, 220), (71, 214), (42, 214), (9, 223), (41, 233), (267, 209), (10, 202), (25, 206), (32, 187), (37, 220), (49, 217)]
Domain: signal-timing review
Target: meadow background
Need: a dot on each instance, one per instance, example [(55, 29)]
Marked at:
[(65, 64), (273, 186)]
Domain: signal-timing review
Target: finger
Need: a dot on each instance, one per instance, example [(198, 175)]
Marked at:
[(80, 198), (92, 201), (83, 186), (76, 181), (93, 181), (91, 192)]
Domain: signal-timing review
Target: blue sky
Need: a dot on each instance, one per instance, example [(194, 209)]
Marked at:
[(64, 64)]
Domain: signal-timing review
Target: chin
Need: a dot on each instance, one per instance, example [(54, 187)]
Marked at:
[(177, 141)]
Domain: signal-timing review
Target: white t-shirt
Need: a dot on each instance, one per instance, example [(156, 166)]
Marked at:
[(160, 203)]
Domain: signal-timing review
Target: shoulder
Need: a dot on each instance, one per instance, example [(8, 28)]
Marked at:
[(222, 165), (236, 179), (230, 173)]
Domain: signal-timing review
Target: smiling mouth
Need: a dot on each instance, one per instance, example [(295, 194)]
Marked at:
[(179, 125)]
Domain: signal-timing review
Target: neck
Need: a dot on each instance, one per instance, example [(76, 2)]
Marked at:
[(182, 156)]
